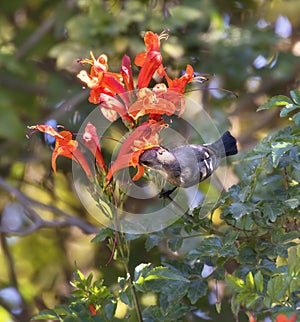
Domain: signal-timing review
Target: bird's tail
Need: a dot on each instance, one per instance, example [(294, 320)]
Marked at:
[(226, 145)]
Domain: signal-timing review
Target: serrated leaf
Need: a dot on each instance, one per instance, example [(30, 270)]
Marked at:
[(197, 289), (102, 235), (208, 247), (296, 118), (126, 297), (279, 100), (278, 150), (46, 315), (140, 270), (153, 314), (271, 211), (175, 243), (295, 95), (164, 273), (152, 241), (62, 310), (238, 210), (288, 109), (292, 203)]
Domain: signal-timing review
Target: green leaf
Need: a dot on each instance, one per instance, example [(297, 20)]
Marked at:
[(110, 309), (89, 280), (276, 288), (209, 246), (197, 289), (140, 270), (46, 315), (154, 278), (259, 281), (288, 109), (79, 277), (152, 241), (102, 235), (271, 211), (246, 255), (126, 297), (250, 281), (62, 310), (280, 236), (164, 273), (153, 314), (296, 119), (251, 299), (295, 95), (237, 284), (278, 150), (279, 100), (175, 243), (294, 262), (292, 203), (218, 307), (239, 210)]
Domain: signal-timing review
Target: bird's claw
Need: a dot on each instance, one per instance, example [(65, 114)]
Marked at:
[(166, 193)]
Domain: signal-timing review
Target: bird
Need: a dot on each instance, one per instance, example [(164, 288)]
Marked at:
[(187, 165)]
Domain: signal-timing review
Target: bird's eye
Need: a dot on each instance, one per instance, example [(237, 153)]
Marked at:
[(160, 152)]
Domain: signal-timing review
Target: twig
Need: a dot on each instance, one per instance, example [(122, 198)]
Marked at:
[(35, 37), (23, 86), (28, 203)]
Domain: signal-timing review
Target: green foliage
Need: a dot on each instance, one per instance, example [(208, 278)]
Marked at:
[(87, 294), (288, 105), (255, 250)]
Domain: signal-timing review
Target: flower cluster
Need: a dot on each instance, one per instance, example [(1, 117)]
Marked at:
[(280, 318), (140, 108)]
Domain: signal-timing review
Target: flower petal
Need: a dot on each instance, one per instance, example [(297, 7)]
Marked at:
[(152, 63), (283, 318), (126, 73), (67, 147), (142, 138), (91, 141)]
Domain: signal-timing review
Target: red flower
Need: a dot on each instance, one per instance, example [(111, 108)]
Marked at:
[(151, 60), (149, 103), (141, 139), (280, 318), (100, 78), (92, 309), (91, 141), (104, 84), (126, 73), (178, 84), (283, 318), (64, 146)]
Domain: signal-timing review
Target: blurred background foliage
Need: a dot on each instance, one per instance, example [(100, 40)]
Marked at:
[(252, 48)]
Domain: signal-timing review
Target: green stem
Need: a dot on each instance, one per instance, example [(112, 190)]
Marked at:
[(124, 251), (134, 295)]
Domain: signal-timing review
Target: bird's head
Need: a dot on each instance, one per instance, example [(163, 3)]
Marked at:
[(157, 158)]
